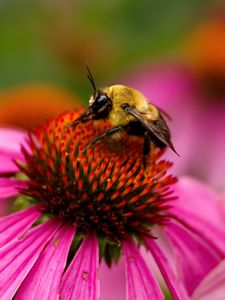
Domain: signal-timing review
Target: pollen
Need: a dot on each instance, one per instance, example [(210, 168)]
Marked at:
[(104, 190)]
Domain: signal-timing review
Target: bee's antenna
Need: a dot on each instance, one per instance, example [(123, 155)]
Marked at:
[(90, 77)]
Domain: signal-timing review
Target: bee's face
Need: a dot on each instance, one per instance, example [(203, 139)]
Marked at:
[(100, 104)]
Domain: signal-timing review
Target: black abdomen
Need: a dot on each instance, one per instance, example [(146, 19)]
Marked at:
[(136, 129)]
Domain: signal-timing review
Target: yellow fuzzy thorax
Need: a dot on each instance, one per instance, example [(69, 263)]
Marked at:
[(121, 94)]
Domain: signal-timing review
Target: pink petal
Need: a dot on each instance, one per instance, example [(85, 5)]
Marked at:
[(10, 148), (13, 226), (116, 274), (80, 280), (19, 256), (9, 187), (212, 286), (194, 257), (11, 139), (203, 228), (7, 164), (175, 286), (4, 205), (44, 279), (141, 285), (193, 195)]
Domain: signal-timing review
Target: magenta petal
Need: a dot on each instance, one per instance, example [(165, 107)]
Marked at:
[(10, 148), (7, 164), (141, 285), (80, 280), (213, 285), (19, 256), (204, 228), (11, 139), (116, 274), (9, 187), (194, 256), (193, 195), (15, 225), (44, 279), (4, 204), (176, 288)]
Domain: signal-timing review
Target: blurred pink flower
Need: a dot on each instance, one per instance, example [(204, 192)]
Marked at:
[(92, 202), (197, 126)]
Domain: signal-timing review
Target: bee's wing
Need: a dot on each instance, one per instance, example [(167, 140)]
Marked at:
[(157, 127), (165, 114)]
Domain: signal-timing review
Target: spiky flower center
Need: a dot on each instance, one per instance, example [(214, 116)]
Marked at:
[(106, 189)]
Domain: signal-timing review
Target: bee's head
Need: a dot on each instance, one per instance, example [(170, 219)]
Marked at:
[(100, 104)]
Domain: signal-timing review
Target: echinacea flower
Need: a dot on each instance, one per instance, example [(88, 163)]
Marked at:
[(82, 209)]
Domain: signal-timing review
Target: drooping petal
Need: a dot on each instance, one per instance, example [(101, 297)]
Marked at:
[(141, 285), (13, 226), (4, 205), (43, 281), (9, 187), (175, 286), (11, 139), (193, 195), (204, 228), (212, 286), (18, 257), (7, 164), (194, 257), (116, 274), (80, 280)]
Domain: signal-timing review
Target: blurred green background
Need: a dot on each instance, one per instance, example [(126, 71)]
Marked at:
[(50, 40)]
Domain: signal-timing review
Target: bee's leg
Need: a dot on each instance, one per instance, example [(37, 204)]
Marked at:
[(146, 147), (102, 137), (85, 117), (78, 121)]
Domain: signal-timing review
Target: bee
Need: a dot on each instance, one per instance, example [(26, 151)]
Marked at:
[(128, 111)]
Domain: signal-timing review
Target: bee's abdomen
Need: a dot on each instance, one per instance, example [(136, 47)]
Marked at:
[(135, 128)]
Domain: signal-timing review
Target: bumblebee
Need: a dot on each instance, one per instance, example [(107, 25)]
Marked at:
[(128, 111)]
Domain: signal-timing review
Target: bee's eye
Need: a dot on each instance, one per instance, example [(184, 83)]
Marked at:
[(101, 104), (101, 100)]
